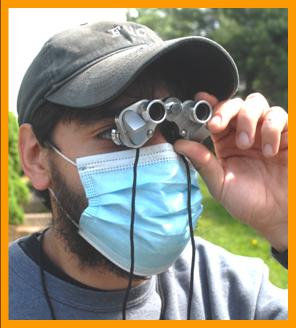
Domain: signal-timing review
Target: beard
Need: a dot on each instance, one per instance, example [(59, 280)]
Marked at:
[(68, 207)]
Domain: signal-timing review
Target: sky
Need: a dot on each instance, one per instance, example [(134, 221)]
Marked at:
[(30, 28)]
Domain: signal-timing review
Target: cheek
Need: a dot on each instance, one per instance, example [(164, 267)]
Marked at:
[(67, 174), (72, 179)]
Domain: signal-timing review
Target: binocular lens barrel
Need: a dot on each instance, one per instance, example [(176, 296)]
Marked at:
[(202, 111), (156, 111)]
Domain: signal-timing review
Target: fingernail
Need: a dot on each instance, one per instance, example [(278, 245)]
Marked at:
[(267, 150), (216, 120), (243, 139)]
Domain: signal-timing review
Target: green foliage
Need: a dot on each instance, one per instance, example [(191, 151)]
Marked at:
[(170, 22), (258, 41), (18, 192), (256, 38)]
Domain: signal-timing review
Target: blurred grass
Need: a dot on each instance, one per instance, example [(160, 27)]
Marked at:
[(218, 227)]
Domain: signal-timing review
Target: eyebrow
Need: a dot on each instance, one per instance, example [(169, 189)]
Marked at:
[(95, 126)]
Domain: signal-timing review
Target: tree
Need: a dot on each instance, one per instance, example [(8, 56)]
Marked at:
[(256, 38), (18, 192), (258, 41)]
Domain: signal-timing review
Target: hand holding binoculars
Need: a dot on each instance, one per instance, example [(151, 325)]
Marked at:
[(136, 124)]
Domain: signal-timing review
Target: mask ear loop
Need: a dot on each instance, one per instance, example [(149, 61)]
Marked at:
[(132, 247), (55, 148), (190, 294), (61, 207)]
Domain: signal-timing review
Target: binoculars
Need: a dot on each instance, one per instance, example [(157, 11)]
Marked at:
[(136, 124)]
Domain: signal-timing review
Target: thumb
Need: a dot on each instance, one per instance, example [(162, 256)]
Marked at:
[(205, 163)]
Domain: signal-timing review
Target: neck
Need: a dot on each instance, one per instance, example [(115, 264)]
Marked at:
[(96, 277)]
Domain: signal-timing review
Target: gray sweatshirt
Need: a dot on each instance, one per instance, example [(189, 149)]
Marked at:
[(226, 286)]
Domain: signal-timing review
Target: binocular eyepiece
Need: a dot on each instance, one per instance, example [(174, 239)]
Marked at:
[(155, 111), (136, 124)]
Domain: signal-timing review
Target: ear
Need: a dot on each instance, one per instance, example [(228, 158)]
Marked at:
[(33, 158)]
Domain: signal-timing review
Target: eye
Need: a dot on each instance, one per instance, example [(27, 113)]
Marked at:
[(106, 134)]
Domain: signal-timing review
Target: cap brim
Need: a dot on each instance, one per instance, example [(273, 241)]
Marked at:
[(202, 62)]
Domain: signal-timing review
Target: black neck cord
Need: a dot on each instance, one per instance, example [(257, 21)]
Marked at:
[(132, 224), (42, 275), (162, 298), (191, 237)]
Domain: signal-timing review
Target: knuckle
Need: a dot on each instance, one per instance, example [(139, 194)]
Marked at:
[(276, 115), (255, 95), (239, 102), (257, 101), (279, 110), (237, 99), (270, 127)]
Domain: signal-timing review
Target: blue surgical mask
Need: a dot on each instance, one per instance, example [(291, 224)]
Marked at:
[(161, 229)]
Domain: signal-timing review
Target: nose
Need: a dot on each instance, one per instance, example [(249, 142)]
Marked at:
[(156, 139)]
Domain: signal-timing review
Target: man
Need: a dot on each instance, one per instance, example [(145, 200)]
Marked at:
[(123, 211)]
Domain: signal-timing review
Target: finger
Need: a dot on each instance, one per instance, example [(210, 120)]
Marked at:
[(252, 110), (274, 123), (224, 112), (205, 163), (284, 140), (202, 95)]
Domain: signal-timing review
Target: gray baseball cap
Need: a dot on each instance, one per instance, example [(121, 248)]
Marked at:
[(92, 64)]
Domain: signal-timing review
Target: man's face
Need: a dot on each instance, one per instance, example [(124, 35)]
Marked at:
[(75, 140)]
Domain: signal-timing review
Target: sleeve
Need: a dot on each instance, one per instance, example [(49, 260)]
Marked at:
[(272, 302)]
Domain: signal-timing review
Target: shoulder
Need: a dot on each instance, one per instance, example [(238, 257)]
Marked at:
[(222, 271), (16, 253), (22, 269), (24, 282)]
